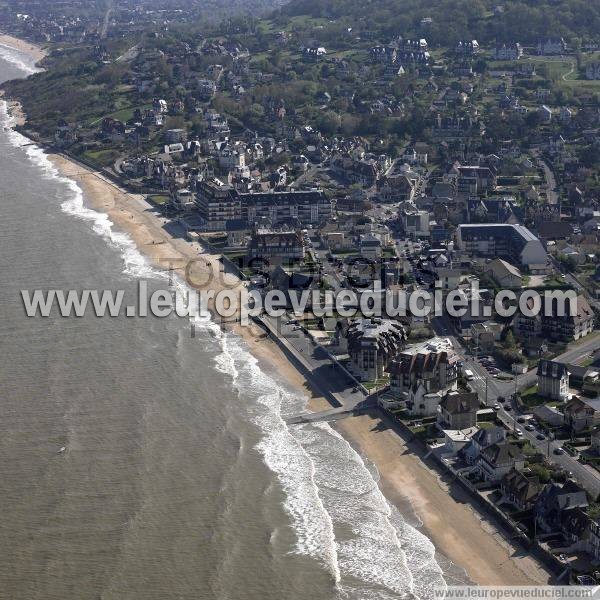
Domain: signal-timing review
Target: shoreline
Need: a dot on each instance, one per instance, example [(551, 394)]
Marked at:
[(34, 51), (405, 479), (447, 518)]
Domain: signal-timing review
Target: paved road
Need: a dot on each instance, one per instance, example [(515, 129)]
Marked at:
[(106, 22), (551, 193), (491, 389)]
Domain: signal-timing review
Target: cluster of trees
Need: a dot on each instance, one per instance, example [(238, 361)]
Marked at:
[(453, 20)]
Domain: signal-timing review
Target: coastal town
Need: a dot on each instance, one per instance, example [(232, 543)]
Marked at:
[(310, 155)]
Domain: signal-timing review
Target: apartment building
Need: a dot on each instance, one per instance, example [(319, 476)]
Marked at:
[(372, 343), (219, 203), (514, 243), (548, 324)]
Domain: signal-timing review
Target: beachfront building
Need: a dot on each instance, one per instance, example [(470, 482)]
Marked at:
[(372, 343), (553, 380), (422, 374), (483, 439), (514, 243), (276, 245), (218, 203), (555, 501), (519, 490), (458, 410), (495, 461)]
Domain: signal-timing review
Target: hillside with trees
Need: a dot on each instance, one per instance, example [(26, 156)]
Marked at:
[(453, 20)]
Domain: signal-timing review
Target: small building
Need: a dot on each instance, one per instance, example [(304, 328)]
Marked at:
[(497, 460), (520, 490), (458, 410), (553, 380), (504, 274)]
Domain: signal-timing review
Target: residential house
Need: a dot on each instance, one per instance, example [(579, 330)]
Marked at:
[(504, 274), (520, 490), (508, 52), (483, 439), (553, 501), (581, 533), (582, 413), (422, 374), (415, 223), (592, 71), (396, 188), (467, 47), (364, 172), (448, 279), (495, 461), (553, 380), (486, 335), (551, 47), (458, 410)]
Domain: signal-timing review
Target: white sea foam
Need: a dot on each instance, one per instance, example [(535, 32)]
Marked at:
[(339, 514), (134, 263), (19, 59)]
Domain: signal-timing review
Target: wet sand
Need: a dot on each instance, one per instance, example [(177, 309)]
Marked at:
[(448, 519), (34, 51)]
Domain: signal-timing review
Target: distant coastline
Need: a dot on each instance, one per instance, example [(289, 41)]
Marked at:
[(37, 53), (449, 521)]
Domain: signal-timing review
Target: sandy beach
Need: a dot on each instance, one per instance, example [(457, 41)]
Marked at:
[(36, 52), (447, 516), (456, 529), (443, 508)]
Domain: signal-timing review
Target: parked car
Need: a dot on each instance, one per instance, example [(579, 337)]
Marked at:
[(540, 436), (559, 451), (530, 427)]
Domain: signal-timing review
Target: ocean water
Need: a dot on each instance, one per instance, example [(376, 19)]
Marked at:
[(141, 462)]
